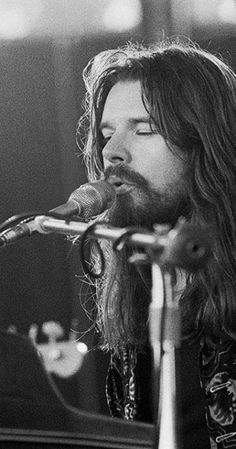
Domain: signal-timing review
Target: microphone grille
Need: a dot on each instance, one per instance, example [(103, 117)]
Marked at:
[(93, 198)]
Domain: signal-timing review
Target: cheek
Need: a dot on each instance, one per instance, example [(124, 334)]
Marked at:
[(161, 169)]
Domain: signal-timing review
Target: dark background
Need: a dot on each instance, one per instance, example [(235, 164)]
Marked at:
[(41, 92)]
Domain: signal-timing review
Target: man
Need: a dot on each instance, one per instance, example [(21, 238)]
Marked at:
[(162, 130)]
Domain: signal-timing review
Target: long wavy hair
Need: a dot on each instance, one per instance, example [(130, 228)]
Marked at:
[(190, 95)]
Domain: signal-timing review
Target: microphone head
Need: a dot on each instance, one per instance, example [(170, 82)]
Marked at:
[(93, 198)]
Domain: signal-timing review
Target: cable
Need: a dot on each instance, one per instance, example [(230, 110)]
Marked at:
[(15, 219), (27, 216), (85, 264)]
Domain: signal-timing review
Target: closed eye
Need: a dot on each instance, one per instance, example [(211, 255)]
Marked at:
[(146, 129), (146, 132)]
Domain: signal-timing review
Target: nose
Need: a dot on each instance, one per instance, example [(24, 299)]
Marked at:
[(116, 151)]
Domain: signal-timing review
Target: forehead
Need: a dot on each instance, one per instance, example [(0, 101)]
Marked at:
[(124, 101)]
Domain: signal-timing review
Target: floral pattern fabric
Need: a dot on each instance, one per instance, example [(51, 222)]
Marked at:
[(127, 400), (218, 377), (128, 391), (121, 385)]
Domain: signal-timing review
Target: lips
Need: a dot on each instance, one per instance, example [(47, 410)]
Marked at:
[(121, 185)]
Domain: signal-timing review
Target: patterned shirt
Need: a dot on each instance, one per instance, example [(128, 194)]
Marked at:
[(218, 376), (128, 392), (127, 387)]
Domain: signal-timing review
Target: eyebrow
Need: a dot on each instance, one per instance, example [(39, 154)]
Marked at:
[(131, 121)]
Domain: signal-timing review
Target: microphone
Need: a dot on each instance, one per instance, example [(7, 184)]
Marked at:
[(87, 201)]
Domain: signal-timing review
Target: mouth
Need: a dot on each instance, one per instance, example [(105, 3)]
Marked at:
[(121, 186)]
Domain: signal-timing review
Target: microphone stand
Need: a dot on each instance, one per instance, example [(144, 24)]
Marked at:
[(164, 323), (186, 246)]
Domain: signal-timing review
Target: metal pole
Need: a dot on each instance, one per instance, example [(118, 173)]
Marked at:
[(164, 337)]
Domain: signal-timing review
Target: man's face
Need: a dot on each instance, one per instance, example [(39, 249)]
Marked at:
[(148, 177)]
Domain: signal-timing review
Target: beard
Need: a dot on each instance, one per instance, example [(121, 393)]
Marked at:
[(145, 206), (124, 293)]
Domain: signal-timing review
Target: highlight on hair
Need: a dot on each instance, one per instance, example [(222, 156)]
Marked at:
[(190, 95)]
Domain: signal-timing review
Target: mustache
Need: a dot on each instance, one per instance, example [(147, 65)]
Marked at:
[(126, 174)]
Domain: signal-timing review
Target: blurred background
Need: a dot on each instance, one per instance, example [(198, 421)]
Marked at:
[(44, 46)]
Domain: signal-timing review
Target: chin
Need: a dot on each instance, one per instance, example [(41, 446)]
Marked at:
[(130, 211)]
